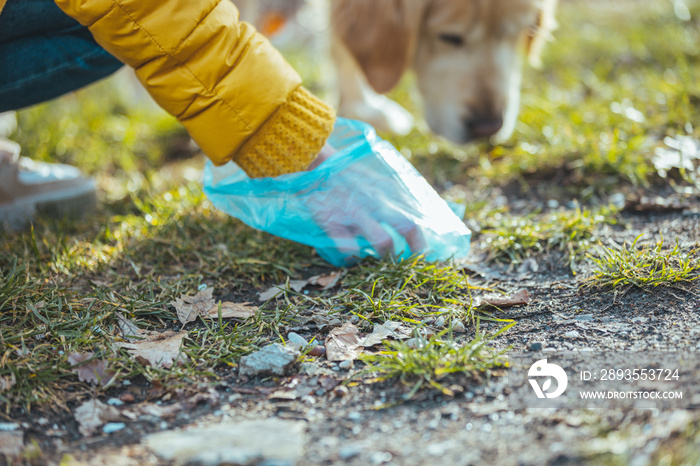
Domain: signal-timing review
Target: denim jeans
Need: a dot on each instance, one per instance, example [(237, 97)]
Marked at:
[(44, 54)]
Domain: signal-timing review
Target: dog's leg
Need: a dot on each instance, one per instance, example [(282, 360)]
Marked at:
[(357, 100), (510, 117)]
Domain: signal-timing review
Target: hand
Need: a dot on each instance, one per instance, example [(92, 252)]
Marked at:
[(361, 210), (363, 200), (326, 151)]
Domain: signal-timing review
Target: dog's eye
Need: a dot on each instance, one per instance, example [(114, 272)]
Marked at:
[(452, 39)]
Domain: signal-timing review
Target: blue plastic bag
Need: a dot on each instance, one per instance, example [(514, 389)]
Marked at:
[(366, 200)]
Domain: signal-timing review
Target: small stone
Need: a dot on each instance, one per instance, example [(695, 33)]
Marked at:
[(346, 365), (273, 359), (309, 368), (380, 457), (619, 200), (355, 416), (458, 327), (435, 449), (536, 346), (354, 319), (111, 427), (127, 397), (318, 351), (11, 443), (340, 391), (329, 442), (415, 342), (572, 334), (440, 321), (349, 451), (295, 340), (557, 447), (115, 402)]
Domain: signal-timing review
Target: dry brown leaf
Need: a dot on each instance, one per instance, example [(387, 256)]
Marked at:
[(296, 285), (326, 282), (128, 328), (207, 396), (7, 383), (93, 372), (231, 310), (93, 414), (383, 331), (323, 321), (343, 343), (158, 349), (521, 297), (203, 305), (11, 443), (270, 293), (190, 307)]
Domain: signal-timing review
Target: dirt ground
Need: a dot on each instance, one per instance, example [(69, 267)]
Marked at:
[(371, 424)]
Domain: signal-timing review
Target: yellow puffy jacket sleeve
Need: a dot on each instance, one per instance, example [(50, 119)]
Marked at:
[(230, 88)]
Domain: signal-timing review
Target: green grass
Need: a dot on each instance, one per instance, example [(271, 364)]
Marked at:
[(61, 287), (431, 361), (512, 238), (645, 266), (408, 290)]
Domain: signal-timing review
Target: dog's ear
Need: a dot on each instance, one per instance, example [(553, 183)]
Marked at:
[(380, 34), (542, 32)]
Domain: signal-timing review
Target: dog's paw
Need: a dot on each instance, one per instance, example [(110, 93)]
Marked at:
[(381, 112)]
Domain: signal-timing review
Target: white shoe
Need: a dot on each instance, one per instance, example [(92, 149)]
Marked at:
[(380, 112), (8, 124), (29, 188)]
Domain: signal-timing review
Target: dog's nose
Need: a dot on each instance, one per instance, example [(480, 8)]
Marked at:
[(484, 127)]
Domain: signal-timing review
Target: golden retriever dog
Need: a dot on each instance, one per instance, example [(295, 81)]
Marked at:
[(466, 55)]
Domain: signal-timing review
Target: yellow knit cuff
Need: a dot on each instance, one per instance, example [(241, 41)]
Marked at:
[(290, 139)]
